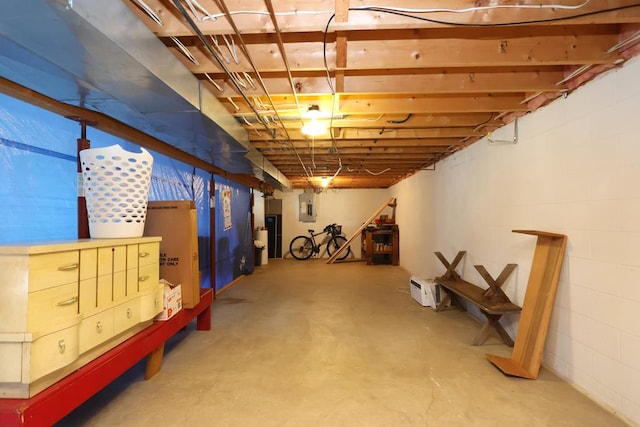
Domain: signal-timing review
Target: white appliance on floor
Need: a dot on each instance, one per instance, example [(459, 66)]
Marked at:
[(425, 292)]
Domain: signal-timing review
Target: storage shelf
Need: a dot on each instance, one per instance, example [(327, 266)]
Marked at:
[(389, 238)]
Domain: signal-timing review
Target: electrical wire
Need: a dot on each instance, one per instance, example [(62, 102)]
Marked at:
[(399, 12), (377, 173), (216, 85), (478, 8), (399, 122), (262, 12), (185, 51), (149, 11), (500, 24), (396, 11), (403, 12), (408, 12), (222, 6), (214, 39), (210, 16), (479, 125)]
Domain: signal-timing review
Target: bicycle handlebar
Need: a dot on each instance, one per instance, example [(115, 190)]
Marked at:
[(333, 229)]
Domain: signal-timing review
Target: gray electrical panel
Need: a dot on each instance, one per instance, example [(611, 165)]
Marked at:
[(307, 207)]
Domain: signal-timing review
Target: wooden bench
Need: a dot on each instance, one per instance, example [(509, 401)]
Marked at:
[(492, 302)]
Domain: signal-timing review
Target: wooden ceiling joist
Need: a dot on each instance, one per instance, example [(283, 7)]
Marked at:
[(404, 92)]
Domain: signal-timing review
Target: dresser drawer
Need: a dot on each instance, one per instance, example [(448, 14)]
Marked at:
[(148, 253), (53, 351), (151, 303), (132, 282), (148, 276), (88, 303), (88, 263), (119, 286), (126, 315), (95, 330), (112, 259), (104, 292), (53, 269), (49, 307)]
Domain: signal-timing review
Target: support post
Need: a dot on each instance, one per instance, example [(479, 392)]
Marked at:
[(82, 144)]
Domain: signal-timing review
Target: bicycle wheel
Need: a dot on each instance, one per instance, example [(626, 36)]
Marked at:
[(301, 247), (336, 243)]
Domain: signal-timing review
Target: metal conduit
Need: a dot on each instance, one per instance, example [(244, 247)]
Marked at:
[(223, 7)]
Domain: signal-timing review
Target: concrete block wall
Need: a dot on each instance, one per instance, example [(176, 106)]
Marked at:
[(575, 170)]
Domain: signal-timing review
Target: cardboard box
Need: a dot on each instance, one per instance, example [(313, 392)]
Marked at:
[(172, 301), (176, 222)]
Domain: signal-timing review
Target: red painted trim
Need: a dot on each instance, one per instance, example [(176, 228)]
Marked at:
[(55, 402)]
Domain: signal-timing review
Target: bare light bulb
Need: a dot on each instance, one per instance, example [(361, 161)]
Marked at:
[(314, 127)]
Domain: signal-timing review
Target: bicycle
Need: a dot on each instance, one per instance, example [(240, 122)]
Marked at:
[(302, 247)]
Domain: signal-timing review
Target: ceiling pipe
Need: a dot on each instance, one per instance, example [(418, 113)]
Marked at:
[(223, 7), (506, 141), (253, 154), (222, 65), (274, 20), (283, 53)]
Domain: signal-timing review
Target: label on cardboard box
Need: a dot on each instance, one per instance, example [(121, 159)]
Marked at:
[(172, 301), (176, 222)]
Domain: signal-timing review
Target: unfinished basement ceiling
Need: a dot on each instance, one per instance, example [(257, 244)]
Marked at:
[(400, 84)]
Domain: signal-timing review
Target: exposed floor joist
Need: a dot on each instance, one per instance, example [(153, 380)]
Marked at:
[(405, 91)]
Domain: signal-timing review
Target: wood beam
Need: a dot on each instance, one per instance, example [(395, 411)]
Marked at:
[(435, 143), (401, 83), (423, 53), (351, 104), (364, 151), (174, 25), (396, 134), (341, 61), (121, 130), (333, 159), (417, 104), (341, 17), (417, 121)]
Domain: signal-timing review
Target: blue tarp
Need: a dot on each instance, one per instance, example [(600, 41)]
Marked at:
[(38, 190), (37, 172), (234, 245)]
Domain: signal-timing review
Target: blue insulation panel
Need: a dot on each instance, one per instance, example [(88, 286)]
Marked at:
[(234, 245), (38, 188)]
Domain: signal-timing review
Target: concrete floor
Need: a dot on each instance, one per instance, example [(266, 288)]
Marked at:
[(302, 343)]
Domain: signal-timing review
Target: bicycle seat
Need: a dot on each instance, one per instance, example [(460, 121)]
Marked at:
[(311, 231)]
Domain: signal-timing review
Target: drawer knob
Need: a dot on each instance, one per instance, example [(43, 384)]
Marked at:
[(69, 267), (129, 313), (99, 327), (61, 346), (144, 254), (156, 301), (143, 278), (69, 301)]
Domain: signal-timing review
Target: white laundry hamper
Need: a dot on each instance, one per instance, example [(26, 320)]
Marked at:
[(116, 186)]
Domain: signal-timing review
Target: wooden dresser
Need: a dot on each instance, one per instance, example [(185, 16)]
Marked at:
[(62, 304)]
